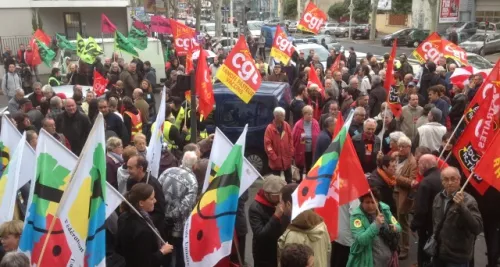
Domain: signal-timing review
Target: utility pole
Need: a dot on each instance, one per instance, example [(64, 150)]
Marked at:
[(231, 11), (298, 10), (351, 10), (373, 26)]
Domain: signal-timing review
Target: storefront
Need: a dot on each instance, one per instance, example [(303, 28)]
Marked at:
[(488, 10)]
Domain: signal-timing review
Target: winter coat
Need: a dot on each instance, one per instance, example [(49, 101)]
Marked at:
[(113, 77), (75, 128), (151, 76), (112, 165), (130, 82), (458, 106), (11, 82), (300, 148), (324, 140), (296, 109), (115, 124), (309, 229), (460, 228), (444, 107), (408, 120), (364, 233), (427, 190), (378, 95), (136, 242), (281, 77), (428, 79), (430, 135), (386, 191), (279, 147), (360, 147), (407, 175), (266, 229)]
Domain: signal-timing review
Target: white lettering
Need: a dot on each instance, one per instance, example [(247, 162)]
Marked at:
[(283, 44), (458, 54), (431, 53), (313, 22), (246, 68)]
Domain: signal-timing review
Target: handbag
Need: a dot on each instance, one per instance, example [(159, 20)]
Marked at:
[(430, 247), (394, 260)]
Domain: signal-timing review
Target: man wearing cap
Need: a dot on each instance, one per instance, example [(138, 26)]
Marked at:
[(458, 104), (267, 221), (277, 75)]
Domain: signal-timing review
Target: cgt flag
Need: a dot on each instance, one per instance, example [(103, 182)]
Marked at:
[(205, 91), (476, 136), (208, 233), (282, 49), (489, 165), (100, 83), (239, 72), (312, 20), (314, 79), (183, 37), (435, 47), (389, 84)]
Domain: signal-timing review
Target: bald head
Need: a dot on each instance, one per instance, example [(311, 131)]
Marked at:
[(450, 172), (426, 162), (137, 94)]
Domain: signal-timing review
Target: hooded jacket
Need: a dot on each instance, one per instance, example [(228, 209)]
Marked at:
[(309, 229)]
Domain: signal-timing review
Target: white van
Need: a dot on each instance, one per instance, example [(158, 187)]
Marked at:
[(153, 53)]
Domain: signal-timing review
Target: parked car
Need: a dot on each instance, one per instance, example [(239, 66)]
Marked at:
[(231, 115), (462, 36), (363, 32), (400, 35), (208, 28), (329, 28), (268, 31), (415, 37), (492, 27), (330, 41), (344, 28), (292, 27), (476, 43), (470, 27), (254, 27)]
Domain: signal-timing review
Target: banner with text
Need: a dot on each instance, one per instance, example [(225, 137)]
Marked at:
[(312, 20), (282, 49), (435, 47)]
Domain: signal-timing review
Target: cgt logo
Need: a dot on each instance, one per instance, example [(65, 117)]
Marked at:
[(456, 53), (431, 52), (312, 21), (246, 68), (184, 42), (283, 44)]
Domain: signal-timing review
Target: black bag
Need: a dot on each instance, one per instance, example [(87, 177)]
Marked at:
[(430, 247)]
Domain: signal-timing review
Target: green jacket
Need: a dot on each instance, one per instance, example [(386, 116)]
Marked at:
[(364, 233)]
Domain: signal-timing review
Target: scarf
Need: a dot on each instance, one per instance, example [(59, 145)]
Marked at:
[(147, 218), (116, 157), (390, 180)]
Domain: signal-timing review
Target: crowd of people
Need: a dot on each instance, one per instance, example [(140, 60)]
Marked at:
[(413, 190)]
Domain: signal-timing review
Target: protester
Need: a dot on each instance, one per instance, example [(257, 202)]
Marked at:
[(148, 95), (14, 105), (409, 116), (137, 237), (15, 259), (11, 82), (114, 160), (131, 118), (305, 134), (130, 79), (113, 121), (324, 138), (297, 255), (278, 143), (49, 125), (431, 133), (141, 104), (377, 96), (367, 145), (333, 110), (74, 125), (298, 103), (10, 233)]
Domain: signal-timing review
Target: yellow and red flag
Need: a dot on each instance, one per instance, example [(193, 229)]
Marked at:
[(389, 84), (312, 20), (239, 72), (434, 47), (489, 165), (282, 49), (183, 38)]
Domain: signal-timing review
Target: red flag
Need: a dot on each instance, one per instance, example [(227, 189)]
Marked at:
[(100, 83), (392, 93), (489, 165), (189, 58), (141, 26), (42, 37), (205, 91), (480, 131), (106, 25), (314, 79), (183, 37), (336, 64), (312, 19)]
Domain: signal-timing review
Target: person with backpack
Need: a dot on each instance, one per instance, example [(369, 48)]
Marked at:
[(10, 82)]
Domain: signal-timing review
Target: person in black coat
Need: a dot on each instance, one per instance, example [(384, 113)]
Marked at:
[(74, 125), (113, 122), (324, 138), (267, 221), (458, 105), (378, 95), (427, 190), (429, 78), (391, 125), (367, 146), (384, 179), (135, 240), (137, 168)]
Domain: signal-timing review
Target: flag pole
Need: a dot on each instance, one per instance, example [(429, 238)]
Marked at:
[(451, 136), (236, 247), (467, 181), (383, 126), (375, 200)]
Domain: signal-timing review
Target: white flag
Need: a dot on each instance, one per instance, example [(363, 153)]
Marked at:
[(155, 143), (217, 157), (9, 183)]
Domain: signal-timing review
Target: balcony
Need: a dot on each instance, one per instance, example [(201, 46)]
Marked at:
[(78, 3)]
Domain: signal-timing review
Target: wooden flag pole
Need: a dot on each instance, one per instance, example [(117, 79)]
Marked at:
[(467, 181), (451, 136), (375, 200), (383, 128)]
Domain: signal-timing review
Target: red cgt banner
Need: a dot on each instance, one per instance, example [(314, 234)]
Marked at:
[(183, 38), (282, 49), (313, 19), (435, 47)]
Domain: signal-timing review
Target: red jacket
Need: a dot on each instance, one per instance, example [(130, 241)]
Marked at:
[(300, 148), (279, 148)]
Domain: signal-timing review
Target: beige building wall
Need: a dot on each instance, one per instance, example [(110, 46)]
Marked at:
[(383, 25)]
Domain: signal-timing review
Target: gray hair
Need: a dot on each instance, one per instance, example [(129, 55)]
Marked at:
[(55, 101), (345, 70), (313, 86), (369, 120), (279, 110), (113, 142), (358, 110), (395, 136), (47, 89), (37, 84), (352, 79), (189, 159), (15, 259), (382, 73), (30, 135), (440, 69), (376, 80), (403, 140), (437, 115), (19, 91)]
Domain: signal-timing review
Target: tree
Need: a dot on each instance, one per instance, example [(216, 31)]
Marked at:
[(361, 11), (373, 26), (290, 8), (434, 15), (338, 10), (401, 7)]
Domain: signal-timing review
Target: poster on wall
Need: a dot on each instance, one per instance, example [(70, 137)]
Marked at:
[(449, 11), (384, 4)]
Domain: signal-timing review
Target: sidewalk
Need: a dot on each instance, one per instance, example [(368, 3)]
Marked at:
[(493, 57)]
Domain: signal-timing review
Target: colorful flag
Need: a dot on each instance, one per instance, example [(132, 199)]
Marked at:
[(224, 146), (82, 207), (314, 79), (9, 182), (9, 139), (208, 233), (282, 48), (46, 54), (205, 91), (312, 192), (106, 25), (100, 83), (138, 38), (35, 60), (64, 43), (478, 133), (123, 44), (183, 37), (53, 168), (312, 19), (392, 92), (155, 143), (435, 47), (42, 36), (489, 164), (239, 72), (482, 93)]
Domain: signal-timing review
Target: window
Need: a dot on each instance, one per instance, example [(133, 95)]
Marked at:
[(72, 24), (236, 114)]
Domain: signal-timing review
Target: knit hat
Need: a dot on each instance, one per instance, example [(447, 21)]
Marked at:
[(273, 184)]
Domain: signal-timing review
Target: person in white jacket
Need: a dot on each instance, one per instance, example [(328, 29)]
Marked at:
[(10, 82), (430, 134), (365, 85)]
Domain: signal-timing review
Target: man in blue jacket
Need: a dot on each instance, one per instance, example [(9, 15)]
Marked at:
[(324, 138)]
